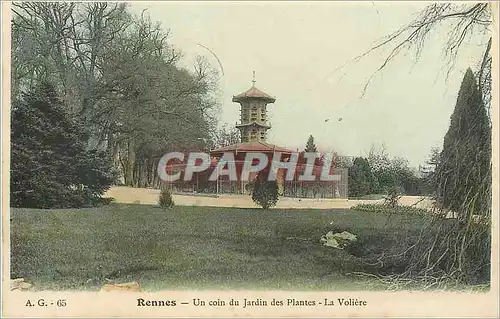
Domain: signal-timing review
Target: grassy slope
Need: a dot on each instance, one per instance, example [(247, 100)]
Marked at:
[(193, 247)]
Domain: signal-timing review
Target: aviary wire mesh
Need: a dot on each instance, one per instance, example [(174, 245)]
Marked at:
[(298, 189)]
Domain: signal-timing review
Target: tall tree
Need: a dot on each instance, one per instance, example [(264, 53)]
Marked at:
[(118, 74), (464, 170), (428, 171), (310, 146), (466, 254), (360, 177), (50, 166)]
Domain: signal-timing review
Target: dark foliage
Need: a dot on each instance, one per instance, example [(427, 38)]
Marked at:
[(165, 200), (367, 176), (360, 178), (310, 146), (265, 192), (50, 165), (463, 175)]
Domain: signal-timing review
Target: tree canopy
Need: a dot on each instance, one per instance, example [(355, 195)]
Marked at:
[(118, 75)]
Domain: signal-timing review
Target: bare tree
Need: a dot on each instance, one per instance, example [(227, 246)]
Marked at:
[(225, 136)]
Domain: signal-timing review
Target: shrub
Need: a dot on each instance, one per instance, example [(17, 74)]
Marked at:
[(265, 193), (104, 201), (165, 200), (249, 187)]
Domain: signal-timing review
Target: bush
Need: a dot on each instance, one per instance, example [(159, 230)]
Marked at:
[(249, 187), (165, 200), (104, 201), (265, 193)]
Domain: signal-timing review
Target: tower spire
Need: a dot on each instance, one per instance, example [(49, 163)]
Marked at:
[(253, 114)]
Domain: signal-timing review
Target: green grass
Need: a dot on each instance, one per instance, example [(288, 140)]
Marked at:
[(196, 247)]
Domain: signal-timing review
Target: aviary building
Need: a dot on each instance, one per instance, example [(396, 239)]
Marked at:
[(253, 114), (254, 126)]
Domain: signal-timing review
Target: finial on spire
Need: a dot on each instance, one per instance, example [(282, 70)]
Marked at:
[(253, 80)]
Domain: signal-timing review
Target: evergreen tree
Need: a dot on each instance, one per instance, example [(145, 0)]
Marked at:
[(50, 166), (463, 174), (265, 192), (360, 177), (310, 146), (428, 172), (165, 200)]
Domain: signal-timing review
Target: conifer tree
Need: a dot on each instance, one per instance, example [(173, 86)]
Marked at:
[(360, 178), (310, 146), (50, 166), (463, 174), (265, 192)]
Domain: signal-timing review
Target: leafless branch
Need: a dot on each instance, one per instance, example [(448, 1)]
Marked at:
[(464, 19)]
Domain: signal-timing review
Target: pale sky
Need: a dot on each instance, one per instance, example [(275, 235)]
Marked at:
[(294, 48)]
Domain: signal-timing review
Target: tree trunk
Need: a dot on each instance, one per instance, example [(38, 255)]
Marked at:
[(130, 163), (150, 171), (113, 150), (142, 176), (154, 174)]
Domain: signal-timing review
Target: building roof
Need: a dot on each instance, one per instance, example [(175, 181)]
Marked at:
[(253, 124), (253, 93), (252, 147)]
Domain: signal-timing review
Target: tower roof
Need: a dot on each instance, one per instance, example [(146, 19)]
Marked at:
[(252, 147), (253, 93), (253, 124)]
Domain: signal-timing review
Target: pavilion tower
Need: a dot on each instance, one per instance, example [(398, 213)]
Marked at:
[(253, 114)]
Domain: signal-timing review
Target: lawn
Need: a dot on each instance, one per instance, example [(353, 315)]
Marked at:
[(196, 247)]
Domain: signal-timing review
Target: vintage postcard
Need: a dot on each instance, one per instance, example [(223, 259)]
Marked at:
[(250, 159)]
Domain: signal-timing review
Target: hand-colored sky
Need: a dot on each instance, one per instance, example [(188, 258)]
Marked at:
[(295, 48)]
